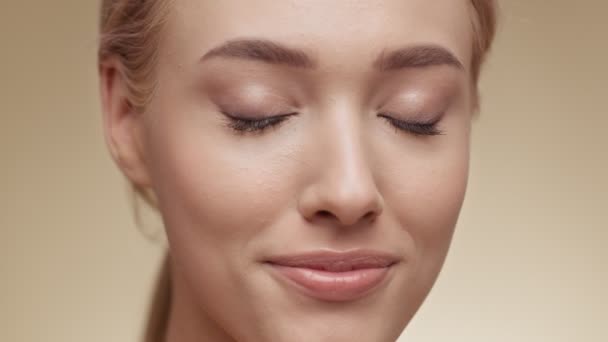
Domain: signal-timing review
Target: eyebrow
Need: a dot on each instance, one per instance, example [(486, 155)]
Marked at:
[(263, 51), (416, 56)]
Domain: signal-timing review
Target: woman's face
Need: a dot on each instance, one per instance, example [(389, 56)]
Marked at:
[(306, 191)]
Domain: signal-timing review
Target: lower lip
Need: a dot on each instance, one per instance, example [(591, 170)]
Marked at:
[(333, 286)]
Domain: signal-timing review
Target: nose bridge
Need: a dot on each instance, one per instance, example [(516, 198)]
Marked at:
[(344, 188), (347, 167)]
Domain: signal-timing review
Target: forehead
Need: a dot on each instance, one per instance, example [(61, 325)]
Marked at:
[(337, 31)]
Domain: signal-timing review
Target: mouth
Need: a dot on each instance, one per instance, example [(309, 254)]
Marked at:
[(334, 276)]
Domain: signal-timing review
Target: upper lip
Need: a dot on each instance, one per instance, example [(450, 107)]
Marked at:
[(336, 261)]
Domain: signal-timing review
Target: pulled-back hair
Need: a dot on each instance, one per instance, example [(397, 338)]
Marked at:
[(130, 31)]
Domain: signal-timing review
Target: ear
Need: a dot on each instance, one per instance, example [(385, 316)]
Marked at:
[(122, 124)]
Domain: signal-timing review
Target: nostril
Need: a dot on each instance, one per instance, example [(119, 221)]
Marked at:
[(325, 213), (370, 216)]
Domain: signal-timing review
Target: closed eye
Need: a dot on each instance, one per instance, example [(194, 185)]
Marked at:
[(242, 124), (428, 128)]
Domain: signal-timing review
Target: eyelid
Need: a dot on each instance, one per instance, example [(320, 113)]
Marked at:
[(254, 110), (250, 100), (418, 101), (426, 127), (255, 117), (418, 117), (247, 125)]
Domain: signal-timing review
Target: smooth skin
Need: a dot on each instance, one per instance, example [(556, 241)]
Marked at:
[(336, 175)]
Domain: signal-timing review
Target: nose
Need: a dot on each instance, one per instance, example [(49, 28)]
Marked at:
[(344, 189)]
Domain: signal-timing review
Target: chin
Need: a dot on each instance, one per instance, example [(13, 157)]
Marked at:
[(337, 327), (285, 312)]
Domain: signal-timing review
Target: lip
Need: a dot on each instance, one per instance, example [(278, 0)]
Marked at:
[(334, 276)]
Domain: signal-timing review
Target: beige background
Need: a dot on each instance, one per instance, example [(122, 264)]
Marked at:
[(529, 261)]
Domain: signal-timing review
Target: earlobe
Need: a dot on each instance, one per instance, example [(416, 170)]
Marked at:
[(122, 124)]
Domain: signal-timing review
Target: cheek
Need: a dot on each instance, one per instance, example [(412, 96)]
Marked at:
[(214, 190), (425, 189), (424, 196), (220, 198), (434, 204)]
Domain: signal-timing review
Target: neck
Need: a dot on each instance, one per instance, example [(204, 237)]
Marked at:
[(188, 321)]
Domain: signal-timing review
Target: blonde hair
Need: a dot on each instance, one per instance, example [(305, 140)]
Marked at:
[(130, 31)]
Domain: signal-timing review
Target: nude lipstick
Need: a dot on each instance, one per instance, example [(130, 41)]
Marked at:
[(334, 276)]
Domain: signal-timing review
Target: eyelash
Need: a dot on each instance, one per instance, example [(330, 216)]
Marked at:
[(258, 126), (428, 128), (255, 126)]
